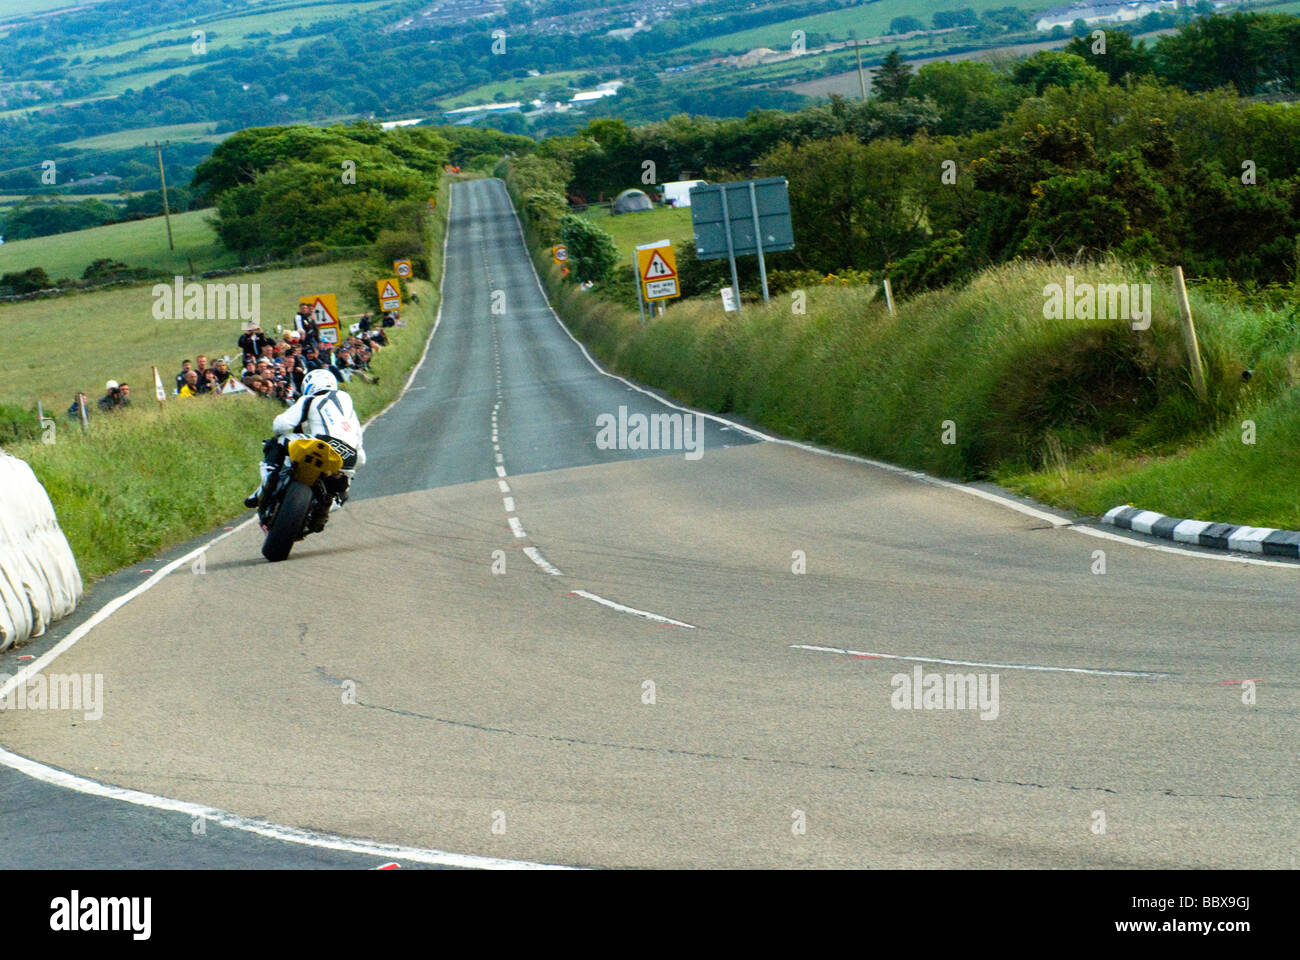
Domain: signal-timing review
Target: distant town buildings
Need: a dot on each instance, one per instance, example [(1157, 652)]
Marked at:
[(1113, 11)]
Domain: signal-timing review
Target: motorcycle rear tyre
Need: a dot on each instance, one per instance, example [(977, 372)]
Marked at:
[(289, 522)]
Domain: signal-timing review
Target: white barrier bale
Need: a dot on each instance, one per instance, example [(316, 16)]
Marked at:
[(39, 579)]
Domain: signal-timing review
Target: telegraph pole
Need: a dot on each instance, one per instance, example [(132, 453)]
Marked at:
[(862, 81), (167, 213)]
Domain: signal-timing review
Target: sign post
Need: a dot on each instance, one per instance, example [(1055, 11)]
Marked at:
[(758, 240), (403, 269), (731, 250), (657, 271), (560, 254), (636, 280), (325, 311), (390, 294), (1189, 334)]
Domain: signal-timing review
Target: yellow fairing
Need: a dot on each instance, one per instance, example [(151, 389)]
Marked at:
[(313, 459)]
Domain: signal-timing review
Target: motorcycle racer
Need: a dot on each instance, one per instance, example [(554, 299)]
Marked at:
[(323, 411)]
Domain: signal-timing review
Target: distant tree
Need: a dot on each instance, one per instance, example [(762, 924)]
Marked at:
[(1253, 52), (29, 219), (944, 19), (149, 203), (970, 94), (1052, 68), (905, 25), (890, 80), (1122, 57), (512, 123), (1010, 19)]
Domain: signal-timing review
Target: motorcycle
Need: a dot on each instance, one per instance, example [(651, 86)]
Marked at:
[(304, 488)]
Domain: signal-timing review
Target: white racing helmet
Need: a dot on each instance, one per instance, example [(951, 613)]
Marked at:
[(318, 381)]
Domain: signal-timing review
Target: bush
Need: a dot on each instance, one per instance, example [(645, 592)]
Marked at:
[(107, 270), (26, 281), (393, 245), (592, 251)]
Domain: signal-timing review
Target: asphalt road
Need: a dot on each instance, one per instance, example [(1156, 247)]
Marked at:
[(604, 657)]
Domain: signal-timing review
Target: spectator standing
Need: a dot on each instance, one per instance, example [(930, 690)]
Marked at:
[(305, 324), (253, 340)]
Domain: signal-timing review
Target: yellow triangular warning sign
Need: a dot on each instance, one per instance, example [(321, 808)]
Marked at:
[(657, 268), (389, 291)]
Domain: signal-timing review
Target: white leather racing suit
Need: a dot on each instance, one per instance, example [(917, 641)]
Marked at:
[(325, 414)]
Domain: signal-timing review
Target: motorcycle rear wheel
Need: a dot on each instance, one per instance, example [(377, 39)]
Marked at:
[(290, 519)]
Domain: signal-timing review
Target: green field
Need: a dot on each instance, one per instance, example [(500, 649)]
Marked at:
[(868, 20), (125, 139), (516, 88), (16, 8), (631, 229), (9, 199), (138, 243), (220, 33), (139, 79), (124, 65)]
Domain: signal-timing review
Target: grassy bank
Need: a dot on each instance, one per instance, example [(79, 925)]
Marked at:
[(137, 243), (148, 478), (976, 384)]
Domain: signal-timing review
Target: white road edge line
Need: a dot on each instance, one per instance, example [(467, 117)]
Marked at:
[(61, 778), (535, 555), (917, 475), (633, 610), (108, 610), (263, 828), (977, 663)]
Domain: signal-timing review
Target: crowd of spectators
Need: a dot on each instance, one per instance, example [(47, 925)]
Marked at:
[(267, 366), (275, 368)]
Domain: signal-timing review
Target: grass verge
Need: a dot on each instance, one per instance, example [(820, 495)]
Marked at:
[(974, 383)]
